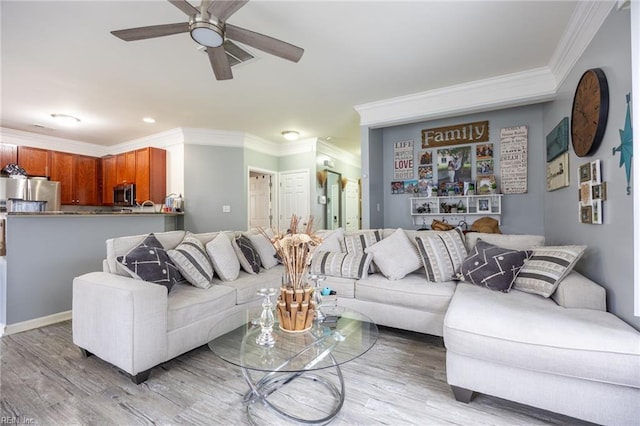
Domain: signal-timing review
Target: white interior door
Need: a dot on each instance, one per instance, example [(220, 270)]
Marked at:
[(260, 207), (352, 205), (294, 196)]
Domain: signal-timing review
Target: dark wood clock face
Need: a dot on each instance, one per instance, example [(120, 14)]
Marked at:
[(589, 113)]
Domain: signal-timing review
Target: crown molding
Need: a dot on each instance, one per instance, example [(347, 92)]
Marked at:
[(297, 147), (158, 140), (36, 140), (521, 88), (586, 20), (264, 146), (338, 153)]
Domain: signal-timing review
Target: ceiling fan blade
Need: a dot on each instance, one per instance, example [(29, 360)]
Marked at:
[(265, 43), (223, 9), (153, 31), (185, 6), (219, 63)]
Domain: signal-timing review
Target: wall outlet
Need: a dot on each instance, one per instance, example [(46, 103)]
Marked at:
[(226, 209)]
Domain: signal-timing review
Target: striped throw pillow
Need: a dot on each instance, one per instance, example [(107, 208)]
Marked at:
[(442, 254), (356, 243), (343, 265), (193, 262), (546, 267)]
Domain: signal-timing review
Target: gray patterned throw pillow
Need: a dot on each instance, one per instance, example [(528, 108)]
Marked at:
[(247, 254), (150, 262), (493, 267)]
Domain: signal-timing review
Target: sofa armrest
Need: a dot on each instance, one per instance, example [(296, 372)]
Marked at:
[(578, 291), (121, 320)]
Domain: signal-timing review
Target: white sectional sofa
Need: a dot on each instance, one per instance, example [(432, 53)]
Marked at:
[(563, 353)]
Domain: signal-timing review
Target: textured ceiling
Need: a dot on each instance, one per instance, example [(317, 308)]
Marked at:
[(59, 57)]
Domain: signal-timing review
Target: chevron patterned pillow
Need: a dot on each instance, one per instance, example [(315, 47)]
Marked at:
[(149, 261), (493, 267)]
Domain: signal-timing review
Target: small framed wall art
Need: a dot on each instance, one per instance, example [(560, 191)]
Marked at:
[(558, 140), (484, 205), (558, 172), (592, 191)]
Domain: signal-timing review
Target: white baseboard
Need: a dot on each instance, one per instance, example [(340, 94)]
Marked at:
[(35, 323)]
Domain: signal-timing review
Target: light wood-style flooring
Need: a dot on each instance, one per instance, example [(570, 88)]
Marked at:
[(401, 380)]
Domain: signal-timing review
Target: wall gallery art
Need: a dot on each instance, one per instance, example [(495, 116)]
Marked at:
[(513, 159), (591, 193), (558, 172)]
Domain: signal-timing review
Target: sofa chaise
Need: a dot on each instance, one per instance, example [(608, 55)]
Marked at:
[(562, 353)]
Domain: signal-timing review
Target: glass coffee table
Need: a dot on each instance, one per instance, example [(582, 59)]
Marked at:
[(300, 377)]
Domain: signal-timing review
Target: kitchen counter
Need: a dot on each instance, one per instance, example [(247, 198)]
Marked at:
[(95, 213), (46, 250)]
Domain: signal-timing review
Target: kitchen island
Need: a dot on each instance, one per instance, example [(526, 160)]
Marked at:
[(46, 250)]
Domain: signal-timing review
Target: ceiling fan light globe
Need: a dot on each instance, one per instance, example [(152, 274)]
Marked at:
[(207, 34)]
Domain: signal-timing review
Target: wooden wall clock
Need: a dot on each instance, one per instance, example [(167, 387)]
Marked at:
[(589, 112)]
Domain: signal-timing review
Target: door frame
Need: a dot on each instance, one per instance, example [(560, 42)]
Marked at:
[(274, 194)]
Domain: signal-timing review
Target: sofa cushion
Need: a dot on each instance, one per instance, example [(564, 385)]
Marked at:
[(247, 285), (511, 241), (442, 254), (531, 332), (396, 255), (188, 304), (337, 264), (546, 267), (223, 257), (148, 261), (493, 267), (412, 292), (247, 254), (192, 260), (265, 249)]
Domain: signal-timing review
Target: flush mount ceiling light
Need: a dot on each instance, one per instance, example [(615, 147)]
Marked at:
[(291, 135), (65, 120), (206, 33), (149, 120)]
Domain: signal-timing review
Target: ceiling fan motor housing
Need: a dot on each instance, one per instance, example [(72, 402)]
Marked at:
[(208, 33)]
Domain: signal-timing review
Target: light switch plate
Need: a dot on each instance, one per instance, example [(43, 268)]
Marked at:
[(226, 209)]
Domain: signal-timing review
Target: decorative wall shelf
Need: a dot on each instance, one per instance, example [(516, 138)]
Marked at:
[(455, 209)]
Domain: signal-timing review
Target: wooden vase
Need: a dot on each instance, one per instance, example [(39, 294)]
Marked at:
[(295, 309)]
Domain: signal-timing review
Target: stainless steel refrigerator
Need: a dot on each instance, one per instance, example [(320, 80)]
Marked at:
[(33, 189)]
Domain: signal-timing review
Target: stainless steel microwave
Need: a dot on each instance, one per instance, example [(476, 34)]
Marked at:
[(124, 195)]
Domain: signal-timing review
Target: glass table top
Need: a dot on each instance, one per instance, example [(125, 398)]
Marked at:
[(324, 345)]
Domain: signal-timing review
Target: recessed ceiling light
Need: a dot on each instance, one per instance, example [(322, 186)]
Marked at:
[(65, 120), (149, 120), (290, 135)]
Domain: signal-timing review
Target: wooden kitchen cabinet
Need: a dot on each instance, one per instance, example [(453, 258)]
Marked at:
[(126, 167), (151, 175), (109, 179), (35, 161), (8, 154), (78, 177)]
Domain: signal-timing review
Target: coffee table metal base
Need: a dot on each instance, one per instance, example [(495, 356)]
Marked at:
[(272, 382)]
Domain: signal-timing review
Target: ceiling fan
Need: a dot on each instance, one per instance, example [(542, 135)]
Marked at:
[(209, 28)]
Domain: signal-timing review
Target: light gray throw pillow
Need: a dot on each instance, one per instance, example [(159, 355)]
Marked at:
[(223, 256), (396, 256)]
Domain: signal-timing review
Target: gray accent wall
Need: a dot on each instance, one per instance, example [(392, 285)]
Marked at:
[(214, 176), (372, 179), (521, 213), (609, 258)]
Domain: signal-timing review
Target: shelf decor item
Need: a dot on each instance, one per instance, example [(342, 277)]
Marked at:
[(295, 248)]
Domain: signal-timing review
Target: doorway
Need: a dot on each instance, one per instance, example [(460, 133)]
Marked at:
[(333, 194), (261, 199)]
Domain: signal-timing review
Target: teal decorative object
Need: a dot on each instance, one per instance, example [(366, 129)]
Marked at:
[(626, 145)]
